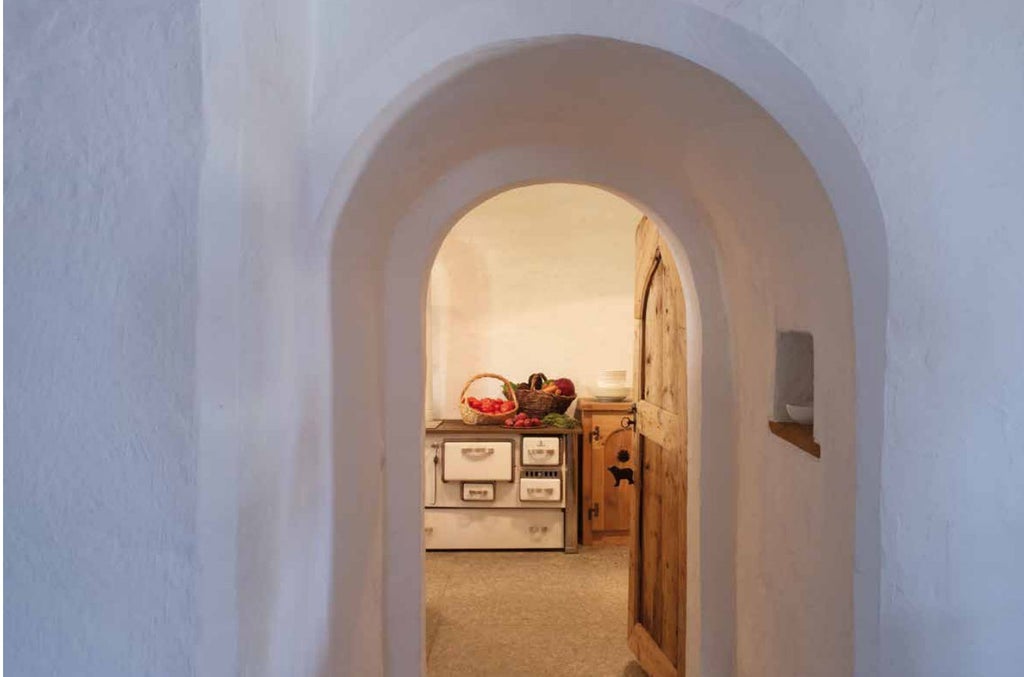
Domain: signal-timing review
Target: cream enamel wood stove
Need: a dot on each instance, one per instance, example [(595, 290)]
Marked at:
[(494, 488)]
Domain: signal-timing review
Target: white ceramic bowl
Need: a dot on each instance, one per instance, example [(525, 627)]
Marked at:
[(801, 414)]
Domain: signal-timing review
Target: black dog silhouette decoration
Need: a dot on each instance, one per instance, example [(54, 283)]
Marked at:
[(621, 474)]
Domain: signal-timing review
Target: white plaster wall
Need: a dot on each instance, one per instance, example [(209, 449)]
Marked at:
[(930, 96), (266, 489), (539, 278), (795, 528), (102, 150)]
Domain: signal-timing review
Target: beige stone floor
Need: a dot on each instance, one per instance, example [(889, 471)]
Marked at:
[(528, 613)]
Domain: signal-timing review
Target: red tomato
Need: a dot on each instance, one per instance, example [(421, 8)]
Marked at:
[(510, 422)]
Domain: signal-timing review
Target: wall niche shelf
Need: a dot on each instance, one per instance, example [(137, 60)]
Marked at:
[(794, 385), (797, 434)]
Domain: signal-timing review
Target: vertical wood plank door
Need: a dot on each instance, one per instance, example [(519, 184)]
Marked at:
[(657, 574)]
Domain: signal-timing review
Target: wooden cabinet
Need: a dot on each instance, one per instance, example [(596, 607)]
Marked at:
[(607, 471)]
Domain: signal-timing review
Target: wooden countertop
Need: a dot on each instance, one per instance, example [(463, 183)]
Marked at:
[(586, 404), (457, 426)]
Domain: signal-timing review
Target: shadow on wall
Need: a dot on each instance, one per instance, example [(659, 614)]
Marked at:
[(460, 301)]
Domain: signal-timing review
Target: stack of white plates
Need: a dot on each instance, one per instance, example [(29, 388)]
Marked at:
[(611, 386)]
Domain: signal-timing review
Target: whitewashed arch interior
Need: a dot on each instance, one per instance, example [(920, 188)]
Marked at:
[(768, 236)]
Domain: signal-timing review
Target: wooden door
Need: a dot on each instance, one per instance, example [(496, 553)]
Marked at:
[(657, 576), (608, 470)]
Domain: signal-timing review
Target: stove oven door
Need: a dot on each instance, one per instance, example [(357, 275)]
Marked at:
[(477, 461)]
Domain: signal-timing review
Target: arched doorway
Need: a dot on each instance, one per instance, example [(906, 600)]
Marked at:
[(557, 278), (421, 188), (707, 353), (422, 185)]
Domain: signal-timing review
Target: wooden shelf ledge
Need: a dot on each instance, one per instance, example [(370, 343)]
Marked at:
[(797, 434)]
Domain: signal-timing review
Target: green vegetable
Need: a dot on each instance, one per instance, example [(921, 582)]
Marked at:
[(516, 386), (559, 421)]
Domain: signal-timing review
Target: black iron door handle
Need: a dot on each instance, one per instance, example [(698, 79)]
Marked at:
[(629, 421)]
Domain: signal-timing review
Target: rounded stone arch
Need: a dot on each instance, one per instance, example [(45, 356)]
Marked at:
[(386, 228)]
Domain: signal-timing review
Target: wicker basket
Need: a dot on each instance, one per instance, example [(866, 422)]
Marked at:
[(536, 403), (471, 416)]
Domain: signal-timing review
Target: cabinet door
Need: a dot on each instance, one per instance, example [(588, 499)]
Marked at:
[(610, 478)]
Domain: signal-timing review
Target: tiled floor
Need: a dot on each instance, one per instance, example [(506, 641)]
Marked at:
[(528, 613)]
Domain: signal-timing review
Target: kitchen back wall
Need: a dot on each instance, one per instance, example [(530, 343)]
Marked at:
[(538, 278)]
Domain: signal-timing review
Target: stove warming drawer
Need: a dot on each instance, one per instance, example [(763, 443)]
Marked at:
[(500, 528)]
